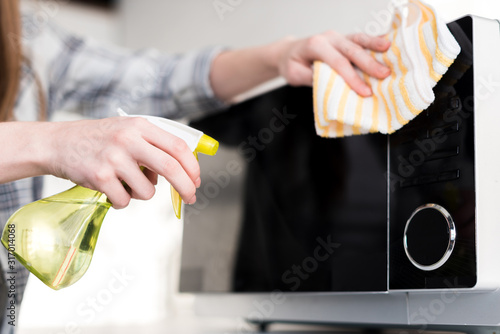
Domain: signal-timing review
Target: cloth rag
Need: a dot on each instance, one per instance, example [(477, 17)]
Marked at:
[(422, 49)]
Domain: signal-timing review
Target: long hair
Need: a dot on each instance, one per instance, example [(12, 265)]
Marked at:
[(10, 56)]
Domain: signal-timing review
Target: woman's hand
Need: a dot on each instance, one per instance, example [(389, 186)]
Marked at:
[(294, 58), (101, 154), (236, 71)]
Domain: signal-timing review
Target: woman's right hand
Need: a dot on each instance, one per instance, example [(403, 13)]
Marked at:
[(100, 154)]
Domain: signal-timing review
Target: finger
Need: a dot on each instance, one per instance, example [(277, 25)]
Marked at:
[(175, 175), (324, 48), (167, 166), (176, 148), (140, 186), (152, 176), (116, 193), (375, 43), (105, 180), (342, 65), (362, 59)]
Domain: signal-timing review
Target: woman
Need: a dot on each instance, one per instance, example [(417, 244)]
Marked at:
[(43, 69)]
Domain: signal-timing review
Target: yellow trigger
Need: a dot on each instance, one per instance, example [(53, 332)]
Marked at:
[(206, 145)]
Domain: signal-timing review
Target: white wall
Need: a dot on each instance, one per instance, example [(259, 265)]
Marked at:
[(188, 24), (184, 25), (453, 9), (83, 20), (143, 240)]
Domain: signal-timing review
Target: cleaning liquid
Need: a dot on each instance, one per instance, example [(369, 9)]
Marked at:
[(55, 237)]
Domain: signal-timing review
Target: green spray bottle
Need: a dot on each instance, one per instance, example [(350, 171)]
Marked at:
[(55, 237)]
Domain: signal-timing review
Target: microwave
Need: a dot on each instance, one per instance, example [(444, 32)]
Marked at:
[(387, 230)]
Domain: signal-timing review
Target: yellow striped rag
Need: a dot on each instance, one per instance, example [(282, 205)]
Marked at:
[(421, 51)]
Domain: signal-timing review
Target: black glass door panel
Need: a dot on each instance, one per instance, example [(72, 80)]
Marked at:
[(312, 211)]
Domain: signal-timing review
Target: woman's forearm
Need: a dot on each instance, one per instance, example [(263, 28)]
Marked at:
[(23, 152), (237, 71)]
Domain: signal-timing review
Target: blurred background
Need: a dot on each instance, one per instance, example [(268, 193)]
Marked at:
[(131, 286)]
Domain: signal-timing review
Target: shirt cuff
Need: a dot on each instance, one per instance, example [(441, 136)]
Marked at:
[(190, 84)]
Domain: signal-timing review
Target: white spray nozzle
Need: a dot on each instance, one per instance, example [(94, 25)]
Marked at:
[(195, 140)]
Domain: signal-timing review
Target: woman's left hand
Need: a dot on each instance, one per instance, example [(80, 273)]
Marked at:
[(236, 71), (340, 52)]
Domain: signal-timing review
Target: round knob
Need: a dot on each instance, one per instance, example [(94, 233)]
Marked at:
[(429, 237)]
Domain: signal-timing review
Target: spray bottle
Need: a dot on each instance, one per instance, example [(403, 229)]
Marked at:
[(55, 237)]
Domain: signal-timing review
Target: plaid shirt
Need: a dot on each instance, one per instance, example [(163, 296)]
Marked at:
[(93, 79)]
